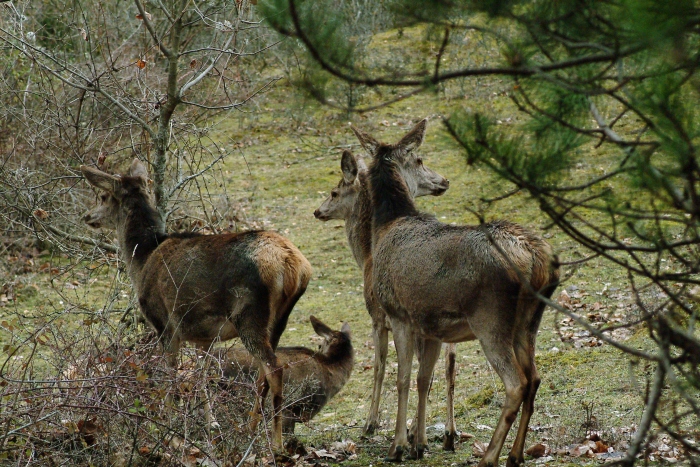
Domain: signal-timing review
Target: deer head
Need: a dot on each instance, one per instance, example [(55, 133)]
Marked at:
[(330, 337), (113, 208), (420, 180), (343, 197)]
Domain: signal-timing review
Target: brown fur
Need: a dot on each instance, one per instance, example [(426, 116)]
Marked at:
[(350, 201), (311, 379), (203, 288), (442, 283)]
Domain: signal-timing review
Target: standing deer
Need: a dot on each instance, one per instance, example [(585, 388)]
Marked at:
[(203, 288), (311, 378), (350, 201), (443, 283)]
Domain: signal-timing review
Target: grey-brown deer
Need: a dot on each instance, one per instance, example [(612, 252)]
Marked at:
[(444, 283), (350, 201), (311, 378), (203, 288)]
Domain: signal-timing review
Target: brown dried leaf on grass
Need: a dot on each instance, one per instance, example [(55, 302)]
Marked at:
[(564, 299), (479, 449), (538, 450), (41, 214)]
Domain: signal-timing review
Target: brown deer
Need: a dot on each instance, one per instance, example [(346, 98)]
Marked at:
[(203, 288), (350, 201), (443, 283), (311, 378)]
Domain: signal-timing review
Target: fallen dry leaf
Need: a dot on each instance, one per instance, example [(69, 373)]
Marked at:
[(347, 445), (564, 299), (41, 214), (537, 451), (601, 447), (479, 449), (323, 454)]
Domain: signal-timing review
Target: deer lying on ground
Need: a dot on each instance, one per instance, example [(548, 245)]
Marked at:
[(350, 201), (311, 378), (203, 288), (443, 283)]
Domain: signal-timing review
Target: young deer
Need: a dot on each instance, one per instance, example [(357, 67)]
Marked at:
[(350, 201), (443, 283), (311, 378), (203, 288)]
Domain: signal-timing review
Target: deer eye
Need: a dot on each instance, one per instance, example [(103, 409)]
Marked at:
[(334, 194), (419, 161), (103, 197)]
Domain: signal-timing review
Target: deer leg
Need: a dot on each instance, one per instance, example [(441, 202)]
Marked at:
[(171, 348), (380, 336), (203, 367), (502, 358), (448, 441), (429, 351), (261, 390), (418, 350), (273, 374), (403, 339), (256, 339), (527, 358)]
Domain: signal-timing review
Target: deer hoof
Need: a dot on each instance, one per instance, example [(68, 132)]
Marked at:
[(448, 441), (411, 437), (395, 453), (417, 452), (514, 462), (370, 428)]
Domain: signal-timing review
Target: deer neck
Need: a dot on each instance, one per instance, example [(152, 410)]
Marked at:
[(390, 197), (139, 234), (358, 225)]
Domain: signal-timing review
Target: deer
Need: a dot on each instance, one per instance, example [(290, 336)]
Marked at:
[(447, 283), (311, 378), (203, 288), (350, 201)]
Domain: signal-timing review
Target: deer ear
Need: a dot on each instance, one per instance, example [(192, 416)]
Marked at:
[(138, 170), (346, 330), (415, 137), (320, 328), (370, 144), (101, 180), (348, 164)]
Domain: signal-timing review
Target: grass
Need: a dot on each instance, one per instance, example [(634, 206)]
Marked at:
[(288, 162)]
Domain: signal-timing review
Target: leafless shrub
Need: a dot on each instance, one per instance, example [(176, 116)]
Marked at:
[(96, 396)]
